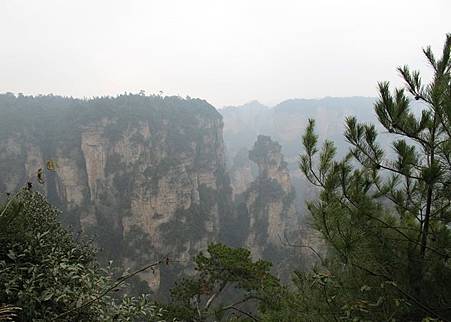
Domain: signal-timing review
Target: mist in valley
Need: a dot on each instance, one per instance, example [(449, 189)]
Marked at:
[(225, 161)]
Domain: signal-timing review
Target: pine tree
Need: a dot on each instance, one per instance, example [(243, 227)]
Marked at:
[(386, 216), (228, 286)]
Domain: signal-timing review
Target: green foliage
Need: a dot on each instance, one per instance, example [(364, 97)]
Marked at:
[(263, 148), (227, 278), (386, 222), (46, 273)]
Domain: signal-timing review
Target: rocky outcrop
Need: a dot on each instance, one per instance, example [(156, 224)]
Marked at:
[(242, 172), (269, 204), (286, 123), (269, 159), (144, 176)]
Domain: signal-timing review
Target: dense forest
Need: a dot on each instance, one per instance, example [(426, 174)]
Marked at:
[(383, 213)]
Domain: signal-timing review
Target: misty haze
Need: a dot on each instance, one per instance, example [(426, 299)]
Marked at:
[(225, 160)]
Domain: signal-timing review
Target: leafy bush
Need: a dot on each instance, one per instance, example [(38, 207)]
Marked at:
[(50, 276)]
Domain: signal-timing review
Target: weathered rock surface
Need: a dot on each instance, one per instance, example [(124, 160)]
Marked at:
[(286, 124), (269, 204), (144, 175)]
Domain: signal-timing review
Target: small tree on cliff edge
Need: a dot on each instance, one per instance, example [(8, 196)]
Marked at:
[(387, 219), (228, 285)]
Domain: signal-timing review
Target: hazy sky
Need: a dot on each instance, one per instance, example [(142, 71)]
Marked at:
[(227, 52)]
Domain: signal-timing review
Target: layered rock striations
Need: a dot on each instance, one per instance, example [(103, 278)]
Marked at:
[(145, 176), (268, 203)]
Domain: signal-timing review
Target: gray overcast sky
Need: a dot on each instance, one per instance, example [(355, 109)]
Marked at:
[(227, 52)]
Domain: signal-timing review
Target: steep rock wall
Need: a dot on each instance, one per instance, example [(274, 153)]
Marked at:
[(268, 203), (144, 176)]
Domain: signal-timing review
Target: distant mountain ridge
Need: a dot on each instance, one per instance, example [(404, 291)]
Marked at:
[(286, 122), (144, 177)]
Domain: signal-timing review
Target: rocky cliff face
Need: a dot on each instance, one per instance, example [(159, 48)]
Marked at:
[(269, 204), (286, 123), (144, 175), (242, 172)]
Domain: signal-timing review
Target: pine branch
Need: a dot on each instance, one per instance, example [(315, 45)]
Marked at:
[(314, 251), (233, 307), (213, 297), (424, 307)]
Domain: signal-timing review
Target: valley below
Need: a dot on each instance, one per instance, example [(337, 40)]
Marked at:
[(145, 177)]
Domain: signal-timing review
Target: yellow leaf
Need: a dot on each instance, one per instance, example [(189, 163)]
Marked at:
[(51, 165)]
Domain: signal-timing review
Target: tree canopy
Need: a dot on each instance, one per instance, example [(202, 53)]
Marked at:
[(385, 217)]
